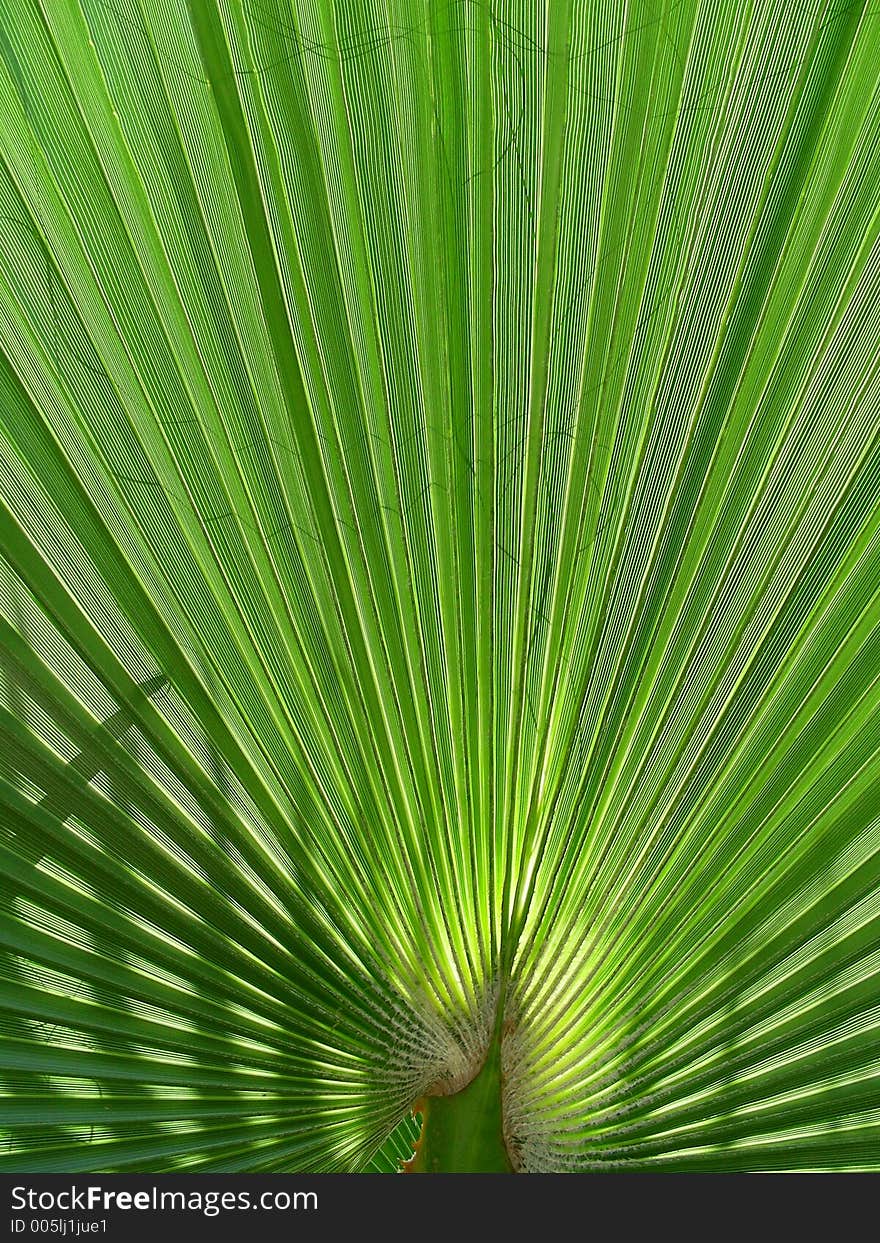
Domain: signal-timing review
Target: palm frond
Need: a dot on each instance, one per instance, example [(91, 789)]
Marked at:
[(439, 464)]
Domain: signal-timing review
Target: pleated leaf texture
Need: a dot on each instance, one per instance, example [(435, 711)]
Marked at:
[(439, 475)]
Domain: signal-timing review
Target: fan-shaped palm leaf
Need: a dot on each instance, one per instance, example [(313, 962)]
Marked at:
[(439, 474)]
